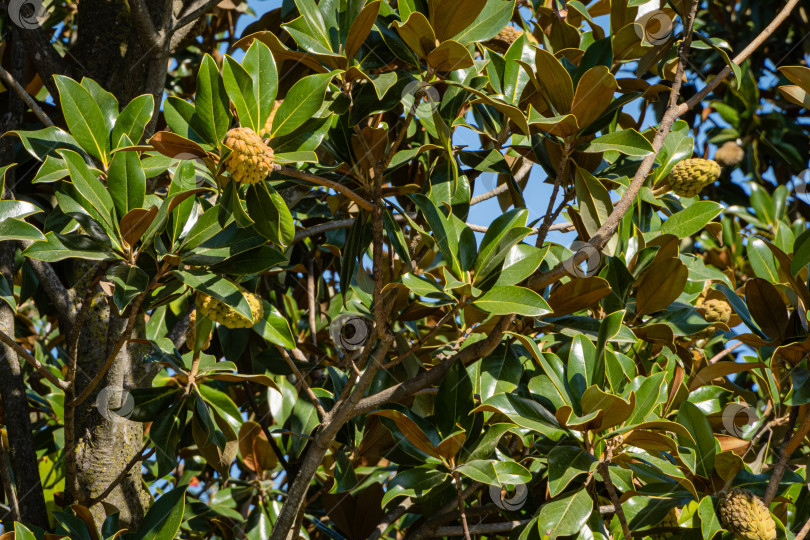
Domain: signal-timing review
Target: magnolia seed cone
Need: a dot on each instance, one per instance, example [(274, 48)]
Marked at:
[(671, 520), (501, 43), (225, 315), (191, 332), (250, 160), (746, 516), (690, 176), (730, 154), (716, 311)]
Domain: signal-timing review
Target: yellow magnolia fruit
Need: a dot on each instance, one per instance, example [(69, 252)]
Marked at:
[(730, 154), (224, 314), (716, 311), (690, 176), (501, 43), (671, 520), (746, 516), (250, 160), (191, 332)]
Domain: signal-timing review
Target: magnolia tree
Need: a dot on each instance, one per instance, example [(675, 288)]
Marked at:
[(242, 294)]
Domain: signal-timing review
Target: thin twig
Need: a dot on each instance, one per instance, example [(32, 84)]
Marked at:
[(722, 354), (62, 298), (197, 10), (141, 455), (483, 528), (5, 475), (604, 470), (421, 340), (391, 517), (740, 58), (489, 194), (790, 444), (36, 364), (805, 530), (325, 182), (464, 526), (310, 394), (558, 180), (9, 80)]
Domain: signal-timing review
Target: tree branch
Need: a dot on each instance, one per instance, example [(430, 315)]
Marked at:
[(36, 364), (325, 182), (483, 528), (740, 58), (789, 445), (25, 96), (391, 517), (195, 11), (63, 299), (608, 229)]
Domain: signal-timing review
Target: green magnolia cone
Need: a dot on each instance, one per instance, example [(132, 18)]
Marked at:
[(746, 516), (690, 176), (250, 160), (730, 154)]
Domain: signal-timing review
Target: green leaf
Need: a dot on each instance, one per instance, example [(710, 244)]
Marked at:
[(309, 30), (491, 20), (302, 101), (503, 233), (447, 243), (523, 412), (217, 287), (165, 434), (132, 120), (163, 519), (594, 200), (495, 472), (704, 445), (566, 463), (260, 65), (84, 118), (46, 141), (629, 142), (271, 215), (729, 62), (129, 281), (500, 372), (414, 482), (511, 299), (21, 532), (521, 262), (106, 102), (151, 403), (239, 85), (566, 516), (275, 328), (691, 219), (709, 522), (94, 197), (17, 229), (801, 252), (212, 116), (59, 247), (582, 365), (762, 261), (6, 293), (126, 181), (454, 401), (254, 261), (395, 236)]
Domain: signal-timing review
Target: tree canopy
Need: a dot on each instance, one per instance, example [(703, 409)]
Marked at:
[(248, 290)]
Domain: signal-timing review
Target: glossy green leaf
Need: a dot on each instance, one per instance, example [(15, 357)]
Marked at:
[(126, 181), (302, 101), (566, 516), (629, 142), (691, 219), (212, 114), (274, 328), (163, 519), (271, 215), (511, 299), (496, 473), (133, 120), (84, 118)]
